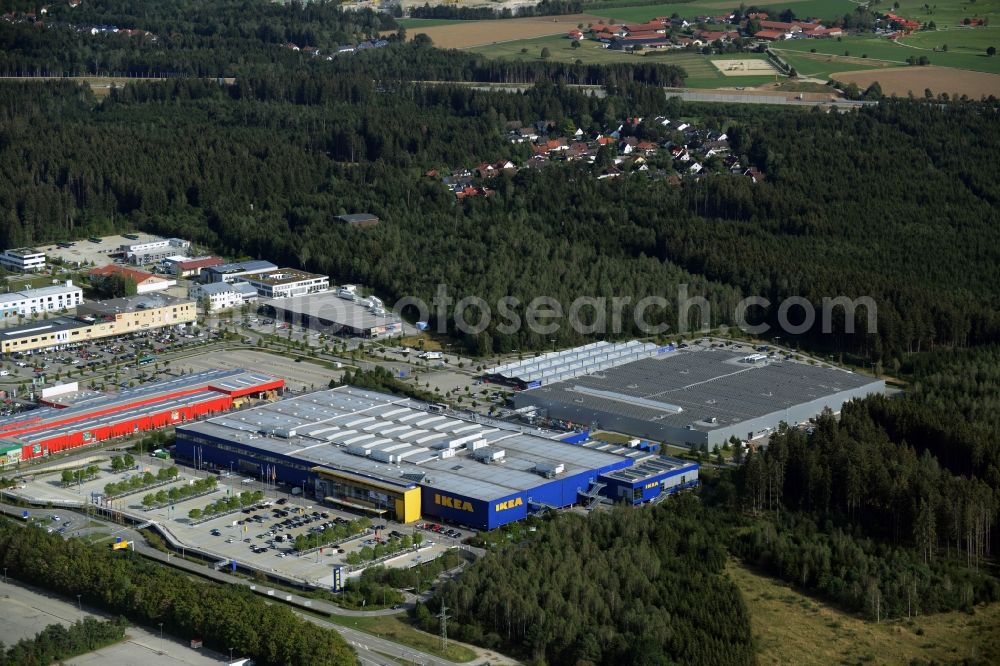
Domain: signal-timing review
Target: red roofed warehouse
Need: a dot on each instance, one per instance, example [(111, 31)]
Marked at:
[(74, 418)]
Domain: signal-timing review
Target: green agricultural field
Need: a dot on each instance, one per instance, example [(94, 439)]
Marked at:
[(701, 73), (560, 50), (966, 47), (817, 68), (802, 8), (948, 13), (958, 56)]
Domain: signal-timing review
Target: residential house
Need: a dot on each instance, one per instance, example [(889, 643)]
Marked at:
[(780, 25), (144, 282), (772, 35)]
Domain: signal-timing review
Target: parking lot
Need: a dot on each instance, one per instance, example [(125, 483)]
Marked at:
[(85, 251), (298, 376), (121, 361), (263, 537), (260, 537)]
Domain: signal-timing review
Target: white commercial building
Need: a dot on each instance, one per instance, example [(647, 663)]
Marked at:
[(286, 282), (223, 295), (24, 259), (46, 299), (155, 250), (237, 271)]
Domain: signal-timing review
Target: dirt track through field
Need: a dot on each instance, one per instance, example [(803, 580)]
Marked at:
[(480, 33), (902, 81)]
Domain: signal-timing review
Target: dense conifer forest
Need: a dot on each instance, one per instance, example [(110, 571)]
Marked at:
[(870, 203), (887, 511)]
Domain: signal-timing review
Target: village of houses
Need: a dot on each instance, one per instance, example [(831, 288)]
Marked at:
[(690, 153), (680, 33), (753, 28)]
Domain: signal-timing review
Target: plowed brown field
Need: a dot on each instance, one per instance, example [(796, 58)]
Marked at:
[(479, 33), (903, 80)]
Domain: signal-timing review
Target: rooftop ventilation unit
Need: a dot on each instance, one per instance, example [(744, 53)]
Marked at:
[(357, 451), (447, 453), (549, 470), (383, 456), (488, 455)]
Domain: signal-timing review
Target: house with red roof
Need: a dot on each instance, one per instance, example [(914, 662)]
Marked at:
[(652, 26), (144, 282), (190, 267), (820, 33), (780, 25), (771, 35)]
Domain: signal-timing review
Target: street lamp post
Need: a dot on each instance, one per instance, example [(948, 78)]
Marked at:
[(161, 637), (79, 603), (230, 655)]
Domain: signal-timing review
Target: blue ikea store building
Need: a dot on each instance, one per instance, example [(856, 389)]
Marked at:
[(394, 457)]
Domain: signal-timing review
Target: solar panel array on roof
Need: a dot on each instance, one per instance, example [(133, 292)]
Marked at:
[(569, 363), (648, 469)]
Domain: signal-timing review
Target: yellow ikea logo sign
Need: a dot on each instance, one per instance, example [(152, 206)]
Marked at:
[(453, 503), (652, 484), (509, 504)]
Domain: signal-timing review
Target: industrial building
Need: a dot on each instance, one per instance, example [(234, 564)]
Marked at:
[(286, 282), (396, 457), (100, 319), (181, 266), (698, 397), (236, 271), (76, 418), (23, 260), (329, 313), (153, 251), (36, 301), (224, 295), (558, 365)]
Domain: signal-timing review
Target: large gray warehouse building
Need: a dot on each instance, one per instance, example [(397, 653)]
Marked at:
[(702, 396)]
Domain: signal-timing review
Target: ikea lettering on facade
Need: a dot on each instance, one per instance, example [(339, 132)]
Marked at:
[(509, 504), (453, 503)]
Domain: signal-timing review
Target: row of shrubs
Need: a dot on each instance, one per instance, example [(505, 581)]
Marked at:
[(226, 504), (338, 532), (380, 550), (122, 463), (76, 475), (178, 493), (138, 482)]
